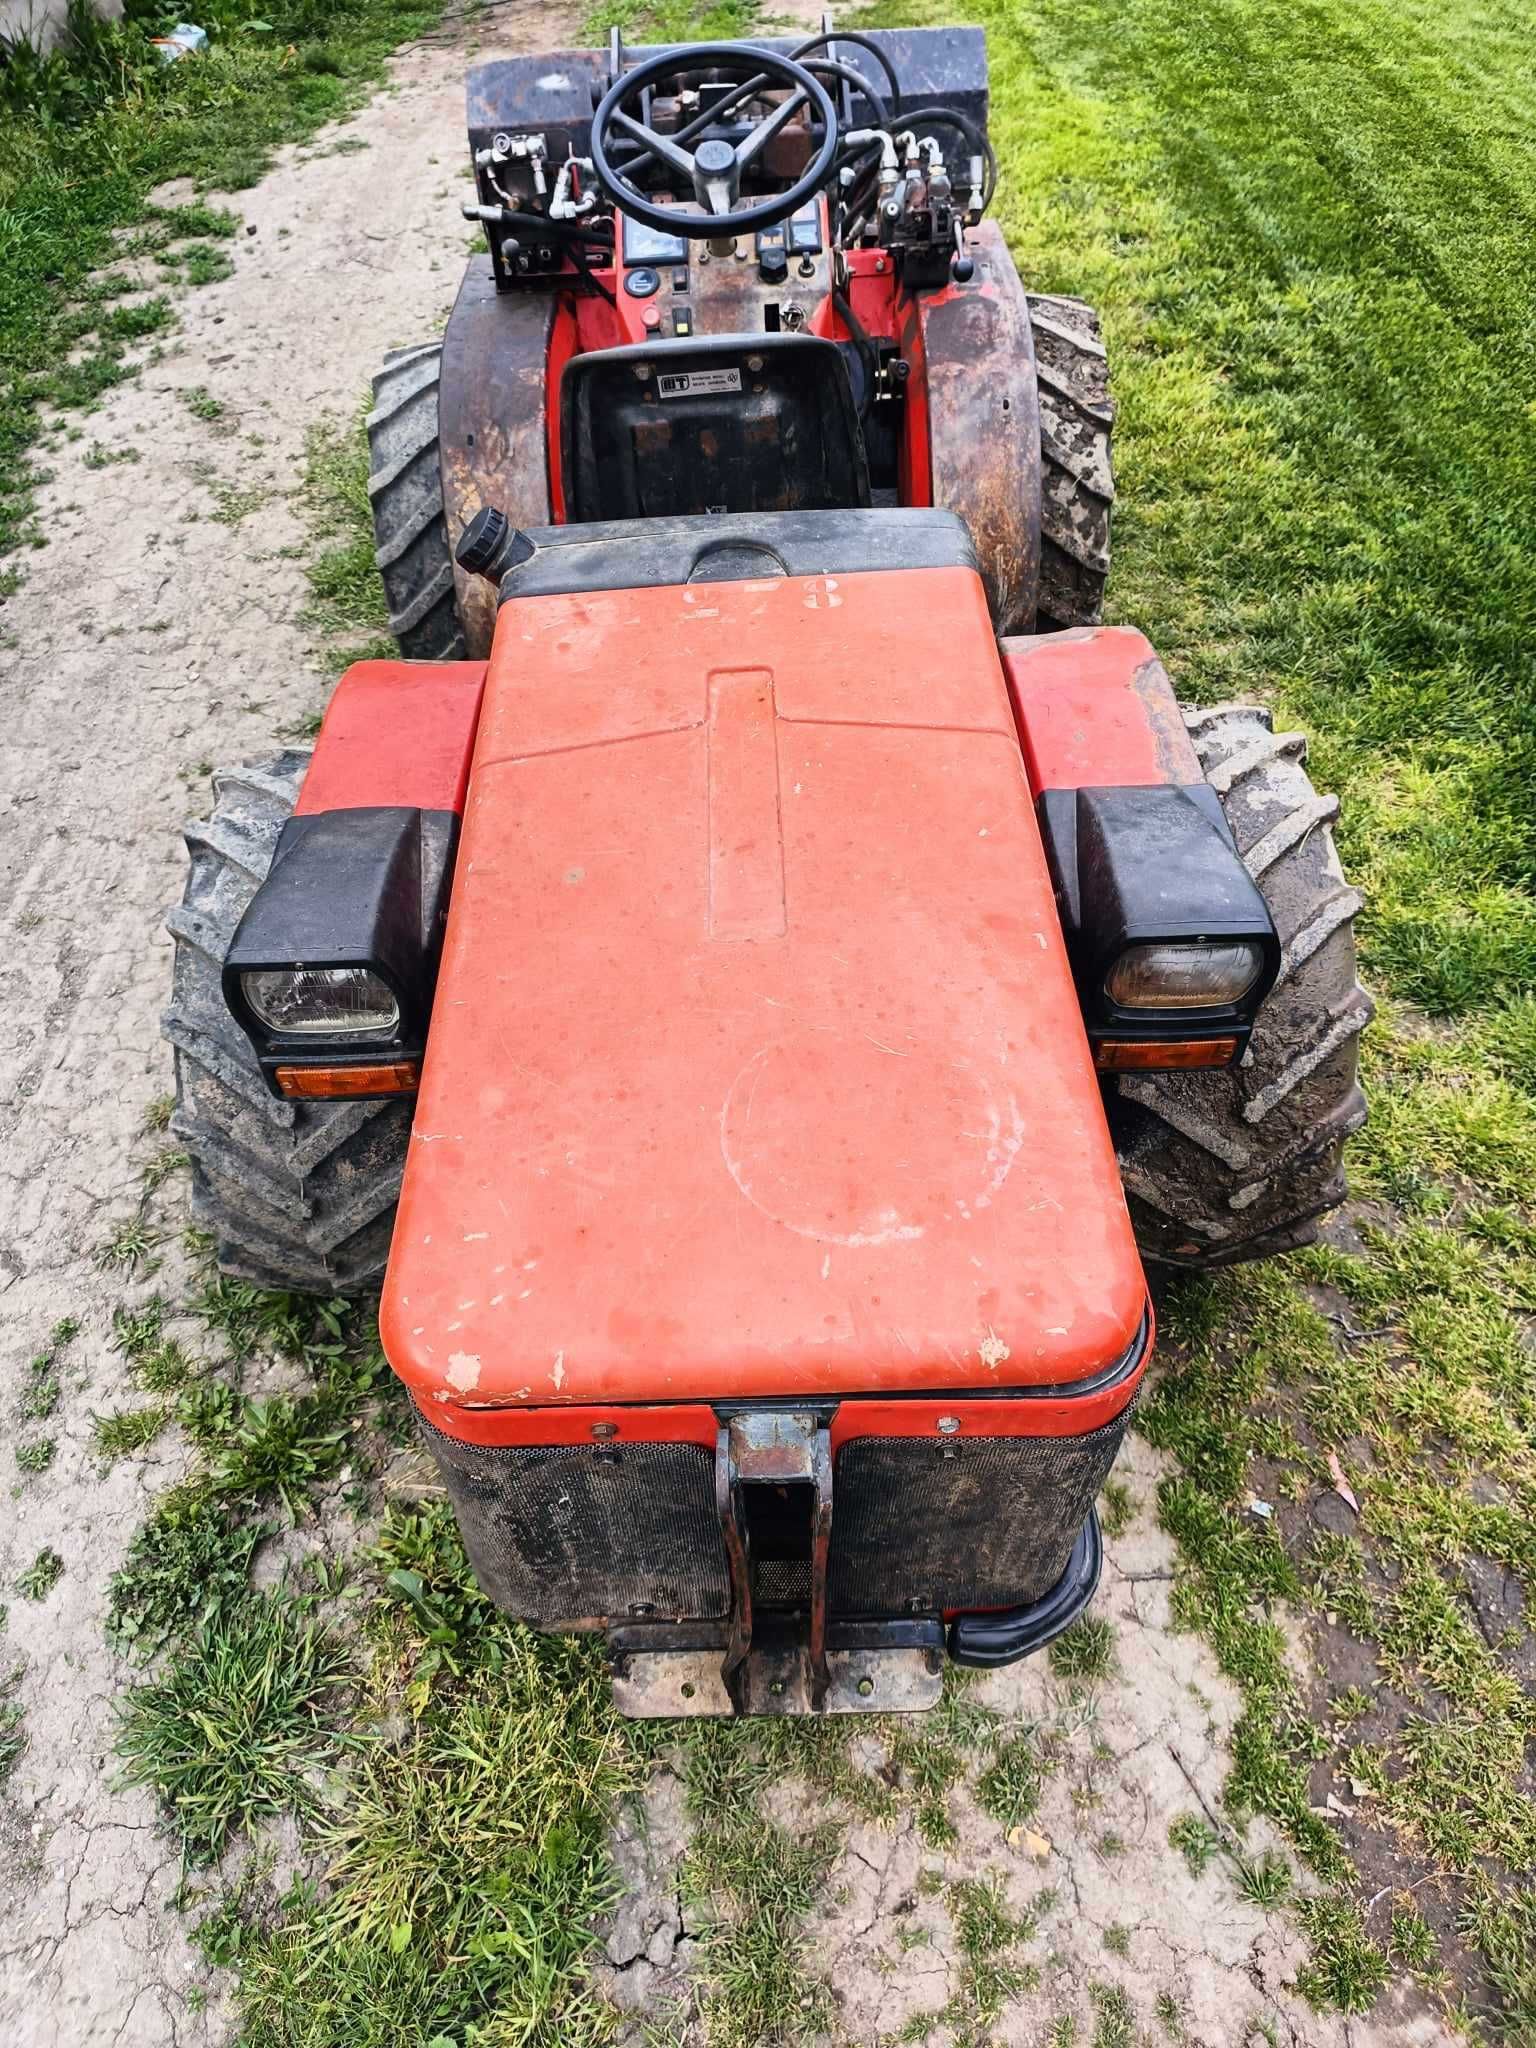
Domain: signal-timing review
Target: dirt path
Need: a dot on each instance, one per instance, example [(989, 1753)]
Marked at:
[(157, 634), (151, 639)]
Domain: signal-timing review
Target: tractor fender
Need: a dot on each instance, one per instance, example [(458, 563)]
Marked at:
[(976, 379), (396, 733), (492, 431), (1095, 710)]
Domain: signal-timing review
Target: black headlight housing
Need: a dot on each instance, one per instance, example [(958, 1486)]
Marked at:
[(1155, 866), (364, 890)]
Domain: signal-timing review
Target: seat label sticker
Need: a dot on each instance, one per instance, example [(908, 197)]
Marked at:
[(689, 383)]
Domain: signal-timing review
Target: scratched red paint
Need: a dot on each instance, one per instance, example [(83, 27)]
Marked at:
[(857, 1148)]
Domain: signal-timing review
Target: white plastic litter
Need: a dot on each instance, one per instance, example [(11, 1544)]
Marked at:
[(184, 40)]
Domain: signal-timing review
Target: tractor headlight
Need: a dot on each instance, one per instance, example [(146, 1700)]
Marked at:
[(1171, 975), (316, 1002)]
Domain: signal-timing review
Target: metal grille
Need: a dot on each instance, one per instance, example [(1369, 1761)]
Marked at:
[(924, 1523), (559, 1533), (781, 1582)]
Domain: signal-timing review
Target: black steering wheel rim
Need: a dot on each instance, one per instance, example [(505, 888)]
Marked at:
[(694, 225)]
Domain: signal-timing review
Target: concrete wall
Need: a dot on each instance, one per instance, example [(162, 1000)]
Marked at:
[(42, 21)]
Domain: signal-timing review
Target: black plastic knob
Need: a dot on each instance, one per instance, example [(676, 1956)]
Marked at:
[(480, 543)]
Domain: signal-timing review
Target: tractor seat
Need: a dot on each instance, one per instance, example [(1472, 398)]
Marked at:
[(722, 423)]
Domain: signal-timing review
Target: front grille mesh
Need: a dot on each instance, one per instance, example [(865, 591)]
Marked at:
[(961, 1522), (565, 1533), (559, 1533)]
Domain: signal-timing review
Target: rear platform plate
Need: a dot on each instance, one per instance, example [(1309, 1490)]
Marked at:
[(671, 1684)]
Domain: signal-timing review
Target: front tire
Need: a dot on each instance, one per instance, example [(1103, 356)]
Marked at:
[(1240, 1164), (296, 1196)]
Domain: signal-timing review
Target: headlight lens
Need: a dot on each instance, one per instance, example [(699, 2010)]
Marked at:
[(314, 1002), (1179, 977)]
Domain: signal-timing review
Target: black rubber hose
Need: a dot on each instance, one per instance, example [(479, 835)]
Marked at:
[(862, 342), (848, 35), (566, 230), (859, 82), (851, 198), (581, 257)]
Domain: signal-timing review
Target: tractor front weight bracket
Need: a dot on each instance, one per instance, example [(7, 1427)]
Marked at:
[(773, 1495)]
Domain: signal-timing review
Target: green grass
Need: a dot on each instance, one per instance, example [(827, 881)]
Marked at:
[(1086, 1651), (13, 1738), (42, 1389), (1265, 1882), (188, 1563), (41, 1575), (755, 1880), (467, 1858), (347, 604), (129, 1247), (233, 1732), (1008, 1790), (1309, 235), (122, 1431), (1196, 1841), (202, 404)]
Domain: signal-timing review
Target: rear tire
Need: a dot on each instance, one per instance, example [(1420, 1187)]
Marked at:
[(405, 488), (1077, 487), (1240, 1164), (296, 1196)]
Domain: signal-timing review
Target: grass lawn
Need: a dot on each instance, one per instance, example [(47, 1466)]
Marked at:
[(1310, 230)]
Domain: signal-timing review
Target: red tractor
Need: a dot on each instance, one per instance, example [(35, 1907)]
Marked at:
[(759, 979)]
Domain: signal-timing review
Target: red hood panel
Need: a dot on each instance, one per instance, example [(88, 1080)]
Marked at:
[(756, 1067)]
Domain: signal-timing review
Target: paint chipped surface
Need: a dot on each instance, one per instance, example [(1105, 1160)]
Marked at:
[(462, 1370), (993, 1351)]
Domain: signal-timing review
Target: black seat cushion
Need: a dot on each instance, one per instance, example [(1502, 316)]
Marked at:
[(726, 423)]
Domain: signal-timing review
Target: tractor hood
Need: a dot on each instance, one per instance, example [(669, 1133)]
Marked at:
[(755, 1069)]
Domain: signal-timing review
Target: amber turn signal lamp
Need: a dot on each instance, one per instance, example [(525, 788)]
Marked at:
[(328, 1084), (1123, 1055)]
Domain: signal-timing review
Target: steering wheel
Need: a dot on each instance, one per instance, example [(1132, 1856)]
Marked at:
[(712, 169)]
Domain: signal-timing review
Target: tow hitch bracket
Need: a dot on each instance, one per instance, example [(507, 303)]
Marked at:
[(776, 1662)]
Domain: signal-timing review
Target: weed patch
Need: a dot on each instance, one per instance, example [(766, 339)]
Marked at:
[(236, 1730), (41, 1575), (467, 1860)]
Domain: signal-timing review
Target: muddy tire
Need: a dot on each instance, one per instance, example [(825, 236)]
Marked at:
[(1077, 486), (1240, 1164), (294, 1196), (406, 491)]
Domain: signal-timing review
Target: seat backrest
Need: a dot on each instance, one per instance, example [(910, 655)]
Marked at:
[(724, 423)]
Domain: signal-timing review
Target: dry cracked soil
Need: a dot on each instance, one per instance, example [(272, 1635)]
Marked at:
[(159, 632)]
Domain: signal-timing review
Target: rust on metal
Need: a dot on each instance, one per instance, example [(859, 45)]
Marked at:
[(491, 432), (728, 1508), (821, 1544), (769, 1449), (1171, 743), (984, 430), (775, 1681)]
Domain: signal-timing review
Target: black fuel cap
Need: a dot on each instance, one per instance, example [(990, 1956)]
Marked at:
[(481, 540), (772, 256)]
